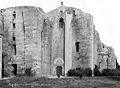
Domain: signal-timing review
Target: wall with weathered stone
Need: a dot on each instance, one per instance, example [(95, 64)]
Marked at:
[(7, 41), (68, 43), (58, 37), (97, 41), (106, 57), (42, 44), (26, 27), (46, 47), (32, 33), (82, 33), (0, 56), (112, 59)]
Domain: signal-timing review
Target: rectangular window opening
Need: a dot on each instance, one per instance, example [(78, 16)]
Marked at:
[(15, 69), (13, 38), (14, 25), (77, 46)]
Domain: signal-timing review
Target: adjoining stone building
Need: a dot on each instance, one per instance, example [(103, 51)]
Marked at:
[(63, 38)]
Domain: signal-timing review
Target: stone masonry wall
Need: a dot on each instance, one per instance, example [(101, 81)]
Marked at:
[(25, 24), (82, 33), (46, 47), (32, 38)]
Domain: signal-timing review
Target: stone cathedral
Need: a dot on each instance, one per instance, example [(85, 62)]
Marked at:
[(62, 38)]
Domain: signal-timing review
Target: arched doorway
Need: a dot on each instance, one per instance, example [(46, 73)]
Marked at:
[(58, 66), (59, 70)]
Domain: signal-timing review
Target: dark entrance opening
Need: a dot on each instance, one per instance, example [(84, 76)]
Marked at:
[(15, 69), (59, 70)]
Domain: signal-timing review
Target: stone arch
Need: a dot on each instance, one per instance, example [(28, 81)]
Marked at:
[(59, 62)]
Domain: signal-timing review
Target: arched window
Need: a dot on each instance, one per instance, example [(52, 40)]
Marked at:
[(61, 23), (14, 14)]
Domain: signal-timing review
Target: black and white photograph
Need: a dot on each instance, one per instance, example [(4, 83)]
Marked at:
[(59, 44)]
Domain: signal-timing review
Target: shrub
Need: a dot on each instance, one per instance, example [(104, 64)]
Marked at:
[(8, 71), (71, 72), (96, 71), (117, 71), (111, 72), (79, 72), (6, 74), (28, 72), (105, 72), (88, 72)]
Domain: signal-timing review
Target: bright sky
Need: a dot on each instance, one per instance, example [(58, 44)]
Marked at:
[(106, 15)]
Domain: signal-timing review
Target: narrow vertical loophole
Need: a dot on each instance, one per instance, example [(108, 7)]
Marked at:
[(14, 25), (13, 38), (77, 46), (14, 48), (14, 45)]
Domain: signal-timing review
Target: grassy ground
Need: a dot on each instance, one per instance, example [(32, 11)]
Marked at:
[(85, 82)]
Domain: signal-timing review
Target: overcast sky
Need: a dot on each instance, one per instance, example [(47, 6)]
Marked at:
[(106, 15)]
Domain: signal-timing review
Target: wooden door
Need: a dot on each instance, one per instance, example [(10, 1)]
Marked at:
[(59, 70)]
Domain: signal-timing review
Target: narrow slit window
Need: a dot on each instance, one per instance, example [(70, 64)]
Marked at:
[(13, 38), (14, 25), (14, 48), (77, 46)]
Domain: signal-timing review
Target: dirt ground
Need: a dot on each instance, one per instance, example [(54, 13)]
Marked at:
[(42, 82)]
